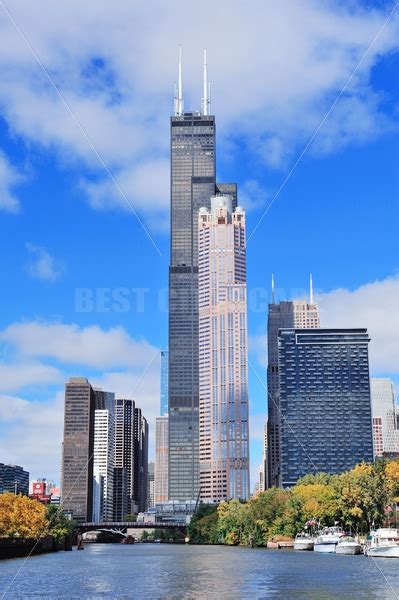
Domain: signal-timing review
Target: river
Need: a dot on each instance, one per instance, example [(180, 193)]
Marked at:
[(163, 571)]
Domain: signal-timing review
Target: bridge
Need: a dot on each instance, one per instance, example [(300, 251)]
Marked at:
[(122, 526)]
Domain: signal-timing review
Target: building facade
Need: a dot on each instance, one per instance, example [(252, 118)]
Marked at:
[(223, 361), (131, 454), (383, 409), (164, 383), (296, 314), (104, 447), (161, 459), (78, 449), (325, 401), (151, 485), (193, 182), (14, 479)]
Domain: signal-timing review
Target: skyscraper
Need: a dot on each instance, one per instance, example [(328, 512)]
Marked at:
[(14, 479), (104, 446), (223, 366), (193, 182), (324, 400), (78, 449), (164, 382), (131, 454), (151, 485), (298, 314), (384, 416), (161, 460)]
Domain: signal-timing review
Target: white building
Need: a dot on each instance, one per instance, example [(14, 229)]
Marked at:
[(161, 479), (385, 435), (104, 459), (223, 355)]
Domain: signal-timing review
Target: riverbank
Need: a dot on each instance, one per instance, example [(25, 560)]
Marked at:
[(19, 547)]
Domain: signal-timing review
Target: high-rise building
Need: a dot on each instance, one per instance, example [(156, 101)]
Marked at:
[(164, 382), (324, 400), (297, 314), (193, 182), (104, 446), (263, 466), (384, 416), (131, 454), (161, 460), (121, 494), (151, 485), (14, 479), (223, 360), (78, 449)]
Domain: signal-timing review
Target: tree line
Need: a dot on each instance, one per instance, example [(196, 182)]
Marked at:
[(358, 499)]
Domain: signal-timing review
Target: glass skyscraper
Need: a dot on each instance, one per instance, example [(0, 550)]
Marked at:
[(324, 400), (296, 313), (164, 382), (385, 435), (193, 182)]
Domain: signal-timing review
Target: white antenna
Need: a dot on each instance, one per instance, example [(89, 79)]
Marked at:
[(209, 98), (311, 300), (179, 103), (273, 295), (176, 100), (205, 100)]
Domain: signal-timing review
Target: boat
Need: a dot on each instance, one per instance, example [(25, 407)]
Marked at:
[(303, 541), (348, 545), (327, 539), (383, 542)]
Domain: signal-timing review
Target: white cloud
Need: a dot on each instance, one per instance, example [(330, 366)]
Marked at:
[(375, 306), (275, 69), (42, 265), (19, 375), (70, 344), (31, 434), (8, 179)]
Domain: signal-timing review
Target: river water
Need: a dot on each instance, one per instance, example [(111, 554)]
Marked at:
[(216, 572)]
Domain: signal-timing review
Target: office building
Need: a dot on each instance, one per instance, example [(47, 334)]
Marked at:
[(164, 383), (121, 494), (131, 454), (193, 182), (104, 446), (151, 485), (78, 449), (325, 401), (296, 314), (223, 360), (14, 479), (161, 460), (384, 416)]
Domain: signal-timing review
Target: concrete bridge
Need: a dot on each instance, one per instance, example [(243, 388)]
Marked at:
[(122, 526)]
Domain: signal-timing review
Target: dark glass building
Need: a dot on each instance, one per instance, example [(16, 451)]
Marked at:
[(193, 182), (14, 479), (78, 449), (164, 382), (325, 401)]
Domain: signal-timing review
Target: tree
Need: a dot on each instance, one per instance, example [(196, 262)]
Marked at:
[(59, 524), (22, 517)]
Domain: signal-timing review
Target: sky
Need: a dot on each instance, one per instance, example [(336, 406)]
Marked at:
[(306, 98)]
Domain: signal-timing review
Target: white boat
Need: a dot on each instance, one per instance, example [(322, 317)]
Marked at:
[(383, 542), (303, 541), (327, 539), (348, 545)]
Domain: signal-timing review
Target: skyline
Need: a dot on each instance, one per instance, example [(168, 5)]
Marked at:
[(41, 348)]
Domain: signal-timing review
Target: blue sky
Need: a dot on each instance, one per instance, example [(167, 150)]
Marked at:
[(68, 235)]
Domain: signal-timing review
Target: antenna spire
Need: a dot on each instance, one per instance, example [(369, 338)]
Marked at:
[(273, 294), (311, 299), (179, 104), (206, 99)]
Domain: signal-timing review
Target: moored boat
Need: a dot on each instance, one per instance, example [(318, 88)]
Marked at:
[(303, 541), (348, 545), (383, 542), (327, 539)]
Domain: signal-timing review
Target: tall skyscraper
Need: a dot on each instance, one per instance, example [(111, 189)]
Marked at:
[(78, 449), (223, 366), (161, 460), (324, 400), (297, 314), (104, 446), (384, 416), (151, 485), (193, 182), (164, 382), (131, 454)]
